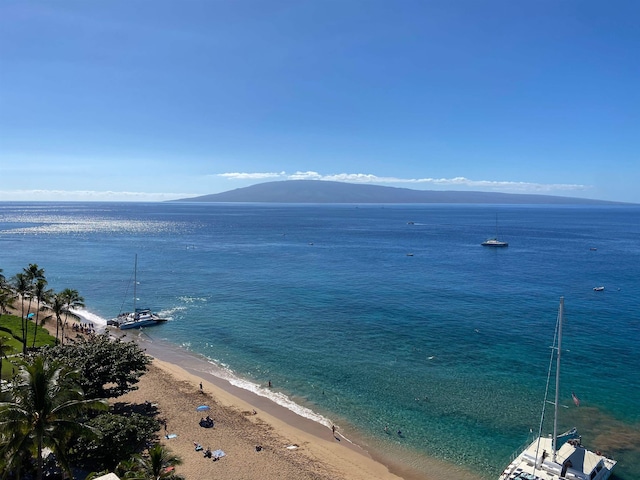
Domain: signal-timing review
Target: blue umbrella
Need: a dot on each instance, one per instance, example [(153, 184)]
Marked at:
[(202, 408)]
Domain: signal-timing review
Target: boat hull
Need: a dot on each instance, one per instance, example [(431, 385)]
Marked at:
[(494, 243), (140, 323), (142, 318)]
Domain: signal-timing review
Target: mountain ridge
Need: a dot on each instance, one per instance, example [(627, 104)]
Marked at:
[(322, 191)]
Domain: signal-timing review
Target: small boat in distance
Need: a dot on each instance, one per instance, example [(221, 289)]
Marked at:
[(140, 317), (494, 242), (558, 457), (598, 289)]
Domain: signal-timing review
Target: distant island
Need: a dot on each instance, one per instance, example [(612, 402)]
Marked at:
[(320, 191)]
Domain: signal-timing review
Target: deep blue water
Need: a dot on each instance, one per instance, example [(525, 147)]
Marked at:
[(449, 345)]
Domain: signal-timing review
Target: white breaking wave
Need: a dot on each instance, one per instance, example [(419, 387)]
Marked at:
[(279, 398), (224, 372), (97, 321)]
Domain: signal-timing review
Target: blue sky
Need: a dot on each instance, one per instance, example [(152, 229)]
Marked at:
[(154, 100)]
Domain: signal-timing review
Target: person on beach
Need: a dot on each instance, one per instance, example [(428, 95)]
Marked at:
[(269, 383), (201, 386), (333, 429)]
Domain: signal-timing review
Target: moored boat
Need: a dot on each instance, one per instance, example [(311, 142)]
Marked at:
[(558, 457), (140, 317), (494, 242), (143, 317)]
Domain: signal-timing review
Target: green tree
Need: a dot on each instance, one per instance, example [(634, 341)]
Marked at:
[(45, 410), (72, 300), (34, 275), (157, 464), (6, 300), (109, 368), (4, 350), (42, 295), (22, 287), (57, 307), (122, 434)]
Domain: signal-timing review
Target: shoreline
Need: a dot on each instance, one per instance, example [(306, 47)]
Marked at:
[(351, 457), (172, 384), (318, 454)]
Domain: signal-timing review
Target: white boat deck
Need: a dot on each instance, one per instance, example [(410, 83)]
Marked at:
[(573, 462)]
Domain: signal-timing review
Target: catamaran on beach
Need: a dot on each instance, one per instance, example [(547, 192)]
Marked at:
[(139, 317)]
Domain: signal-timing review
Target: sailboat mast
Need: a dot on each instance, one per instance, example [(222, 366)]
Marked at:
[(135, 283), (555, 404)]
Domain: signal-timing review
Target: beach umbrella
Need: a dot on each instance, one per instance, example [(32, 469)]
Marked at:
[(202, 408)]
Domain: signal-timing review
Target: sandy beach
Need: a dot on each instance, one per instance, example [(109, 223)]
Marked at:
[(287, 452), (293, 447)]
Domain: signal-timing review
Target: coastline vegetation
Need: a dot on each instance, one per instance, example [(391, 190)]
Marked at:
[(56, 420)]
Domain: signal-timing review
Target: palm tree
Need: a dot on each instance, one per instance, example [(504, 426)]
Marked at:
[(6, 301), (44, 411), (57, 307), (34, 274), (41, 294), (22, 286), (72, 299), (157, 464), (4, 349)]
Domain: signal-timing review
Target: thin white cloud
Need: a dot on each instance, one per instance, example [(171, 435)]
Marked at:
[(252, 176), (456, 182), (88, 195)]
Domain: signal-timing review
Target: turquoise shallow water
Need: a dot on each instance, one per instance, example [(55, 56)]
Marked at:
[(449, 345)]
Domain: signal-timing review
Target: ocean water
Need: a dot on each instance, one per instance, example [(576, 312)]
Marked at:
[(376, 315)]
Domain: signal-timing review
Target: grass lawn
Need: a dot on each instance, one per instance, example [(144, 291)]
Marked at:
[(11, 335)]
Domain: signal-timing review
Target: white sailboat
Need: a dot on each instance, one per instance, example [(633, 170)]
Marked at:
[(140, 317), (558, 457), (494, 242)]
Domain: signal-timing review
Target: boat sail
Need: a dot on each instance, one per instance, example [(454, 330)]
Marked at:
[(558, 457), (139, 317)]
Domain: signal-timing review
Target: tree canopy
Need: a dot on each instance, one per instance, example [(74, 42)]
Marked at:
[(109, 367), (44, 408)]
